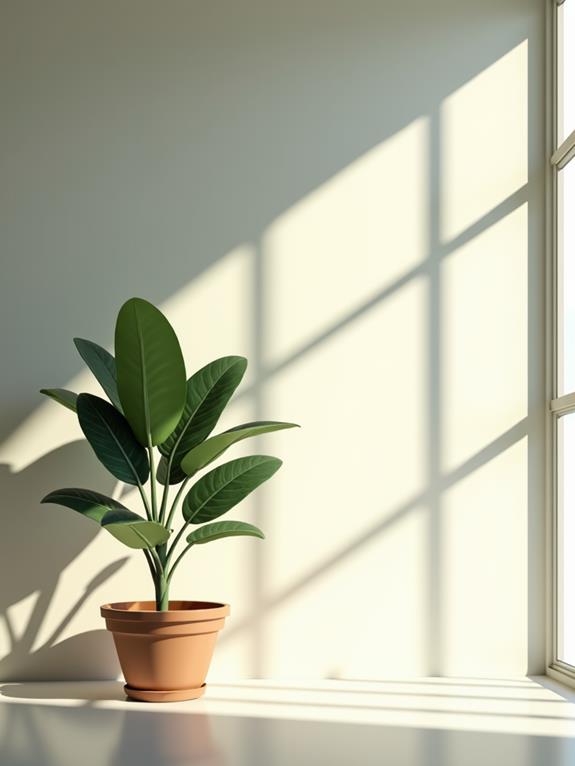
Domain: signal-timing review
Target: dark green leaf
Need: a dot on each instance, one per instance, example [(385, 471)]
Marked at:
[(112, 440), (176, 474), (88, 503), (213, 447), (128, 527), (133, 530), (103, 366), (151, 371), (225, 486), (220, 529), (62, 396), (207, 393)]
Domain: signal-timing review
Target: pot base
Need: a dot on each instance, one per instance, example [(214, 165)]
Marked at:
[(178, 695)]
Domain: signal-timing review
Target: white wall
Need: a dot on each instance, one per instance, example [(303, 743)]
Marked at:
[(351, 195)]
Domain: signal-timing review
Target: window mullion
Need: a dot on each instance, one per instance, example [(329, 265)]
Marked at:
[(564, 153), (563, 404)]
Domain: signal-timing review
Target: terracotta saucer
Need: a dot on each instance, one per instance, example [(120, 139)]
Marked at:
[(178, 695)]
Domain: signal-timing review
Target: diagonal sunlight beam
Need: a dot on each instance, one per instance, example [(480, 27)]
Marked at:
[(491, 451), (334, 692), (405, 708), (357, 313), (502, 443), (496, 214), (437, 251), (505, 208), (379, 685), (326, 565)]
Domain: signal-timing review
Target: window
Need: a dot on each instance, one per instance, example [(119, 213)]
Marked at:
[(563, 393)]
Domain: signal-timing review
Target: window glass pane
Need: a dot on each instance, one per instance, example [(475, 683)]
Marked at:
[(565, 539), (566, 69), (566, 278)]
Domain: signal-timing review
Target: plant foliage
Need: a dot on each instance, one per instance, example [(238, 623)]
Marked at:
[(152, 405)]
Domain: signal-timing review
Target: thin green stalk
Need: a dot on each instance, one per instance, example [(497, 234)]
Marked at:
[(170, 517), (159, 565), (145, 502), (150, 563), (166, 554), (177, 561), (153, 479), (174, 507), (166, 490), (177, 539)]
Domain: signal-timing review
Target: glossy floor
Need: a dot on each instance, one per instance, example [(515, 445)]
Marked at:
[(428, 722)]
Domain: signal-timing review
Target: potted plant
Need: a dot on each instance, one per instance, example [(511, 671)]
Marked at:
[(164, 646)]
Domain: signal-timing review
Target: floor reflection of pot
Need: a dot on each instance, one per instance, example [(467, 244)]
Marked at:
[(170, 739)]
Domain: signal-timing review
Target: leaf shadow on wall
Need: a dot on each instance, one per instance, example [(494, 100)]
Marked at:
[(36, 545)]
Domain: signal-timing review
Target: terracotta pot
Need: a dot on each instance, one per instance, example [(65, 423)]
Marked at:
[(165, 656)]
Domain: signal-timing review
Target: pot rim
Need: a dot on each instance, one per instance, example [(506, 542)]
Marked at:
[(183, 611)]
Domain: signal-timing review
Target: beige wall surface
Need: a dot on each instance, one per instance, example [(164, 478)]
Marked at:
[(351, 195)]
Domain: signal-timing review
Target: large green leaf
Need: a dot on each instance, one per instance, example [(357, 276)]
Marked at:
[(225, 486), (220, 529), (151, 371), (133, 530), (207, 393), (62, 396), (88, 503), (204, 453), (112, 440), (103, 366)]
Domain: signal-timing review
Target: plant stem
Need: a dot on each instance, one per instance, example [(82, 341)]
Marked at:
[(163, 605), (177, 539), (177, 561), (176, 501), (161, 581), (160, 554), (159, 565), (166, 489), (145, 502), (150, 563), (152, 479)]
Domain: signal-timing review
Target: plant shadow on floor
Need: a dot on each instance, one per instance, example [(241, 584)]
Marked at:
[(37, 543)]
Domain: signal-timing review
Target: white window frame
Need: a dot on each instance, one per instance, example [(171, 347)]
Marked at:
[(558, 405)]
